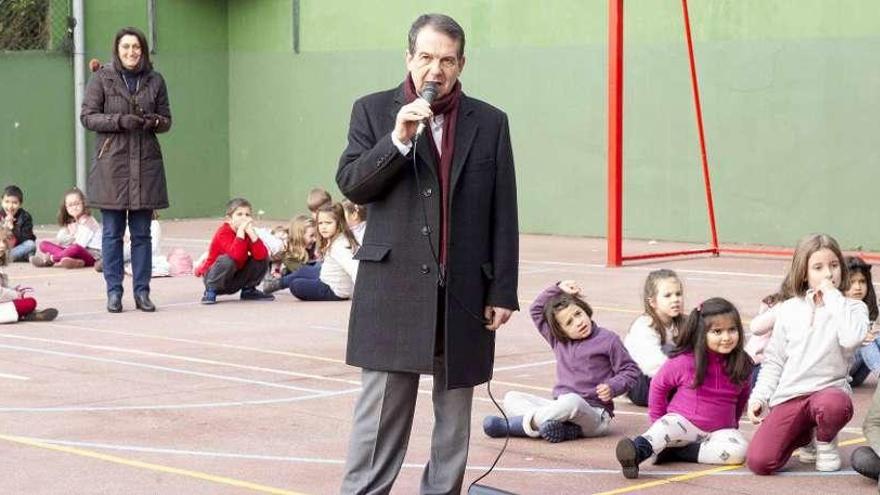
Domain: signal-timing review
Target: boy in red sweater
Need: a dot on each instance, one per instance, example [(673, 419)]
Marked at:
[(237, 259)]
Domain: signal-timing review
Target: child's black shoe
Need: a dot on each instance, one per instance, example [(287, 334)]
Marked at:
[(254, 294), (631, 453), (47, 314), (496, 427), (559, 431)]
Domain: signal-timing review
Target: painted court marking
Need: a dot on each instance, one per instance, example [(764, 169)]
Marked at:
[(204, 405), (200, 342), (13, 377), (189, 359), (700, 474), (330, 461), (149, 466), (160, 368)]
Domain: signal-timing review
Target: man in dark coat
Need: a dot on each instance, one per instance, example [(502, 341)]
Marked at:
[(438, 265)]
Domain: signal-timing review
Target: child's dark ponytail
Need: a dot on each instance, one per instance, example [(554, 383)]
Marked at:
[(693, 338)]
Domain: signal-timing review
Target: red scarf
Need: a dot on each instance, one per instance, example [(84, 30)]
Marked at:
[(447, 105)]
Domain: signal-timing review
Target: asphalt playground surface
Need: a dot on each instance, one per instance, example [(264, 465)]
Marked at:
[(255, 397)]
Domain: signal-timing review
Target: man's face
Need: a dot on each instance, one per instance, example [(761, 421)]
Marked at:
[(435, 59)]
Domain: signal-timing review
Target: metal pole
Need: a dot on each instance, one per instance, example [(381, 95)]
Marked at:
[(78, 91), (696, 89), (615, 133)]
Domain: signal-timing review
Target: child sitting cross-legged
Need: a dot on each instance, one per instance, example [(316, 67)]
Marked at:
[(592, 367), (698, 395)]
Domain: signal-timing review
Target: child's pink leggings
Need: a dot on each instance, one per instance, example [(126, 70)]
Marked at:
[(73, 251)]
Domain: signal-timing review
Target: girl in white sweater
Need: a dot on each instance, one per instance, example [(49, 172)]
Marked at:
[(653, 335), (332, 279), (802, 396)]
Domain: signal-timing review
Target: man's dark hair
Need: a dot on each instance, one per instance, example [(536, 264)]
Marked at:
[(439, 22), (15, 192)]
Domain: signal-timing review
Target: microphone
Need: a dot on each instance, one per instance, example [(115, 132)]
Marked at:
[(429, 93)]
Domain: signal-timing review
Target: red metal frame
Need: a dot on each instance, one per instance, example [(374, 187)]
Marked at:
[(615, 132), (615, 255)]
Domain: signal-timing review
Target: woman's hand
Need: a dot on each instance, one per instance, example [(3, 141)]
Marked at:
[(131, 122)]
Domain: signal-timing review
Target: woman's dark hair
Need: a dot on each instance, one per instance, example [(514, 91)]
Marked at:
[(857, 265), (144, 65), (556, 304), (64, 218), (738, 365)]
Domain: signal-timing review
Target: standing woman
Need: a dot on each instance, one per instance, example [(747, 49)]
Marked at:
[(126, 104)]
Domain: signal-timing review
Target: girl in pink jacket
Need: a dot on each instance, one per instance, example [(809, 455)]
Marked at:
[(698, 396)]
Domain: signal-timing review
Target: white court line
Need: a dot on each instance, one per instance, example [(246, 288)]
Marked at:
[(159, 407), (160, 368), (104, 311), (188, 359), (199, 342), (318, 460), (647, 269), (521, 366), (13, 377)]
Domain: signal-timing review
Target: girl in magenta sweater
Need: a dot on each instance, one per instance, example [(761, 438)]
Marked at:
[(698, 395), (592, 367)]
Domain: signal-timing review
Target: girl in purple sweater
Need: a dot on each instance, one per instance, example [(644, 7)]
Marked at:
[(698, 396), (592, 367)]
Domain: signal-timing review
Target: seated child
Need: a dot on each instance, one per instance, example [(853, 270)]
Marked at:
[(237, 258), (698, 396), (317, 198), (652, 336), (334, 277), (356, 217), (761, 329), (19, 221), (14, 304), (592, 367), (78, 243), (298, 250), (803, 381), (867, 357)]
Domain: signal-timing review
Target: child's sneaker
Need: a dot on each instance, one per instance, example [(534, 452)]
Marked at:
[(47, 314), (41, 260), (631, 453), (827, 456), (70, 263), (210, 297), (497, 427), (271, 285), (559, 431), (807, 453), (254, 294)]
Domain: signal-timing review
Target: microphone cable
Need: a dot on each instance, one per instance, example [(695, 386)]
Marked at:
[(442, 282)]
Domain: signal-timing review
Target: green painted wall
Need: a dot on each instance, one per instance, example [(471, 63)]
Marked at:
[(788, 87), (36, 129)]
